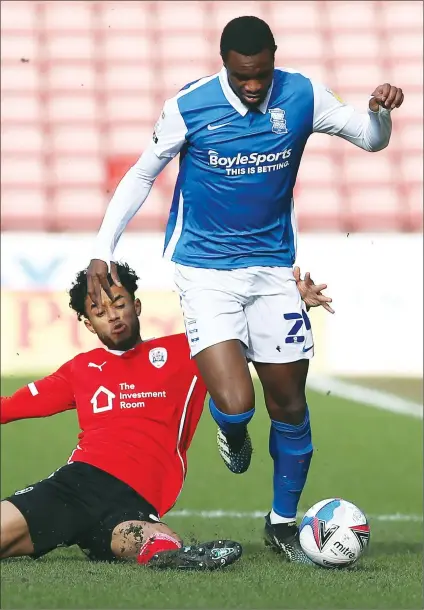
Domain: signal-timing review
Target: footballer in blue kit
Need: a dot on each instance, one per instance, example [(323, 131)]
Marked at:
[(240, 135)]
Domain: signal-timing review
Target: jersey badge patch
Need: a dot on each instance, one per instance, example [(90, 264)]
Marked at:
[(158, 357), (278, 120)]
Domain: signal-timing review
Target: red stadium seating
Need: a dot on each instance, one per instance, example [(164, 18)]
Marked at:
[(83, 84)]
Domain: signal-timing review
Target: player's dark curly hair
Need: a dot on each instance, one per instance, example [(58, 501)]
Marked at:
[(247, 36), (78, 291)]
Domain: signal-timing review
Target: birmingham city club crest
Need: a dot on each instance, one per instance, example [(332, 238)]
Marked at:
[(278, 120), (158, 357)]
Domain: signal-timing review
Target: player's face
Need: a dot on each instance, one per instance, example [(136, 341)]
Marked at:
[(118, 327), (250, 77)]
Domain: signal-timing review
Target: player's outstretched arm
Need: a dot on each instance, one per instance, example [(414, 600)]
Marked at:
[(132, 191), (311, 293), (370, 131), (48, 396), (129, 196)]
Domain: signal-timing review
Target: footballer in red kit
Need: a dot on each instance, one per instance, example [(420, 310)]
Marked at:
[(138, 405)]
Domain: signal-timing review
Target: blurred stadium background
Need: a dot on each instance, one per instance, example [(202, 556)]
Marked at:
[(82, 85)]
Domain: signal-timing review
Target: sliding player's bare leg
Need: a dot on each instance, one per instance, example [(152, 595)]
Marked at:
[(291, 450), (151, 544), (15, 540), (232, 404), (157, 546)]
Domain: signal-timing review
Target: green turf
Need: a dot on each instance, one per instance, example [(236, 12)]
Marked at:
[(368, 456), (405, 387)]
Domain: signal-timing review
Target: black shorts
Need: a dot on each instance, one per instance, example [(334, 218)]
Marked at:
[(79, 504)]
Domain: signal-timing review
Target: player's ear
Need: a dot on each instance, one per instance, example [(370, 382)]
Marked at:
[(137, 306), (88, 325)]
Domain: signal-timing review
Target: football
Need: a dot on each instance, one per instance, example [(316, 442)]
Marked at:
[(334, 533)]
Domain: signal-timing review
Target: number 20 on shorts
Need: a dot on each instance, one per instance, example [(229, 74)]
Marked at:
[(299, 321)]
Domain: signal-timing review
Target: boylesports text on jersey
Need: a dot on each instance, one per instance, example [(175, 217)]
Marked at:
[(254, 161)]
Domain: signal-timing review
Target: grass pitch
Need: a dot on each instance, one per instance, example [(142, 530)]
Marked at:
[(370, 457)]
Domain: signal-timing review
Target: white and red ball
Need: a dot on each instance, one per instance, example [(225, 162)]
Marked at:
[(334, 533)]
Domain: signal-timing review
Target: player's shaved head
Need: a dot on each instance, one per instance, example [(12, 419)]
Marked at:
[(247, 36)]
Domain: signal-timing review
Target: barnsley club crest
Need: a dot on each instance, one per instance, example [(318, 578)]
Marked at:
[(278, 120), (158, 357)]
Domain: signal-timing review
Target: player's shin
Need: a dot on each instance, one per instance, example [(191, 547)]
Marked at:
[(231, 425), (291, 449)]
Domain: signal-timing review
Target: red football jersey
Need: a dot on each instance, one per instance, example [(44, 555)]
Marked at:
[(137, 412)]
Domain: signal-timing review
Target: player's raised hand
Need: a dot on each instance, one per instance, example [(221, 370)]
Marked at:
[(114, 274), (387, 96), (310, 292), (97, 273)]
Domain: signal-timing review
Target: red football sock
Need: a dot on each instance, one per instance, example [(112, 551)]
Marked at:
[(157, 544)]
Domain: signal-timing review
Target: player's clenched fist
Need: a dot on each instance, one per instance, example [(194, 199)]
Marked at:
[(387, 96), (97, 278)]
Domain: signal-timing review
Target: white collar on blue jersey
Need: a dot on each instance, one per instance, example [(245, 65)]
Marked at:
[(235, 101)]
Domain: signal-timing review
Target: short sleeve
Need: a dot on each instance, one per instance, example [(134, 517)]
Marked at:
[(330, 112), (170, 131)]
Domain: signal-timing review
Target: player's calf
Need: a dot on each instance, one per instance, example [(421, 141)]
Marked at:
[(15, 540), (141, 540)]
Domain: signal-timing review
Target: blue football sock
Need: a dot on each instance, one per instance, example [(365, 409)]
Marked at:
[(291, 449), (231, 425)]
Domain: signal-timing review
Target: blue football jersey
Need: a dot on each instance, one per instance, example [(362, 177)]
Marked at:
[(233, 200)]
